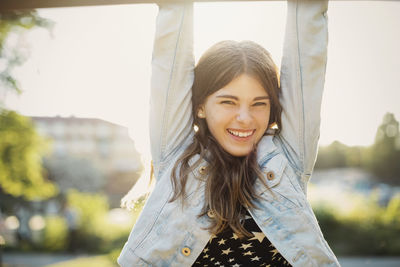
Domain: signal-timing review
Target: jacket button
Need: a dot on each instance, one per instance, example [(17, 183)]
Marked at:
[(202, 170), (210, 214), (186, 251), (270, 175)]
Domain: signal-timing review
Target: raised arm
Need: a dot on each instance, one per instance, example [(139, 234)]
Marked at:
[(302, 81), (172, 78)]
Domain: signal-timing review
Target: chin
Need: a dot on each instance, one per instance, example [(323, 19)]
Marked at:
[(239, 153)]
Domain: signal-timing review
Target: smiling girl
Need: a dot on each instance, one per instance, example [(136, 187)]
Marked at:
[(233, 148)]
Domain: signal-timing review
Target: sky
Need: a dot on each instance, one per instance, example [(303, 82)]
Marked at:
[(95, 62)]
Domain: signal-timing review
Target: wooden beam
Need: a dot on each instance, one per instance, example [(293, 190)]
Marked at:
[(32, 4)]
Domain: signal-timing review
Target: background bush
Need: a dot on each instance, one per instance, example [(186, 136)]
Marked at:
[(55, 234), (368, 229), (96, 233)]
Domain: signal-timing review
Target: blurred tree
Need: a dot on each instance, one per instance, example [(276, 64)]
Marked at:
[(332, 156), (12, 25), (21, 149), (20, 146), (384, 155)]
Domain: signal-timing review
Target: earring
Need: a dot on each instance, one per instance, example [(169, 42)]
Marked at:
[(272, 129), (273, 125), (201, 115)]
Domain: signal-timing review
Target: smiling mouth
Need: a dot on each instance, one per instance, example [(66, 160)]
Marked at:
[(241, 134)]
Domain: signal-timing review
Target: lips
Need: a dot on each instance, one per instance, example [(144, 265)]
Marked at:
[(241, 133)]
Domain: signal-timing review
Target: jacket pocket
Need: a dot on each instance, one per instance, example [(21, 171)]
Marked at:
[(280, 191)]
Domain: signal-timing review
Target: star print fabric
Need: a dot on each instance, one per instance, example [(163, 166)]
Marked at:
[(226, 249)]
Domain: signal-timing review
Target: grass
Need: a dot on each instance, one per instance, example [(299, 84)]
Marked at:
[(91, 261)]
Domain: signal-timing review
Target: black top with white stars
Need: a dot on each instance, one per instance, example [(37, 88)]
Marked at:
[(227, 249)]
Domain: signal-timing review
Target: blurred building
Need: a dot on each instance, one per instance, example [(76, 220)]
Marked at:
[(107, 145)]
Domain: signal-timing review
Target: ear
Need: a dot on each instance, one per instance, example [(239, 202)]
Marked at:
[(200, 112)]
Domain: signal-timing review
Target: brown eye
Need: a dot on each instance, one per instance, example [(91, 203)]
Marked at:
[(260, 104), (228, 102)]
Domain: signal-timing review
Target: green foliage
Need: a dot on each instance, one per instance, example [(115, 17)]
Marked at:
[(368, 229), (331, 156), (338, 155), (12, 24), (90, 207), (96, 233), (91, 261), (55, 235), (114, 254), (384, 156), (21, 149)]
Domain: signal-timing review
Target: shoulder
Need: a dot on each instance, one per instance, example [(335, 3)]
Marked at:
[(266, 147)]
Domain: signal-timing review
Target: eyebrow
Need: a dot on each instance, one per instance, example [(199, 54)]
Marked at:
[(236, 98)]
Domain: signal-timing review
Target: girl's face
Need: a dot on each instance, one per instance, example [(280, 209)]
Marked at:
[(237, 115)]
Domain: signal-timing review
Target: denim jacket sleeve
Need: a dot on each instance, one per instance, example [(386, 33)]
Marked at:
[(171, 81), (302, 81)]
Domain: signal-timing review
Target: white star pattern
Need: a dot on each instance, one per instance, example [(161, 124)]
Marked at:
[(258, 235), (248, 253), (275, 251), (227, 251), (246, 246), (221, 242), (212, 237)]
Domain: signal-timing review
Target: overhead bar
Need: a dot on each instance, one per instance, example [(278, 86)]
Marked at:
[(33, 4)]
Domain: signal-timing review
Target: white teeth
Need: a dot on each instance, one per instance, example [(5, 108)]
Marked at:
[(241, 134)]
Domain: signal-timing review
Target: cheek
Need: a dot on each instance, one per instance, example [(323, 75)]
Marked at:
[(263, 119), (215, 122), (216, 116)]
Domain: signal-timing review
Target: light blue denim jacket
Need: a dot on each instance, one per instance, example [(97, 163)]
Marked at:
[(169, 234)]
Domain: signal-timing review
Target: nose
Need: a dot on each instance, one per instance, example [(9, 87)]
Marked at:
[(244, 116)]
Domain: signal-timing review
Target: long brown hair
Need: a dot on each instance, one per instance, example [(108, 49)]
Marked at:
[(229, 188)]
